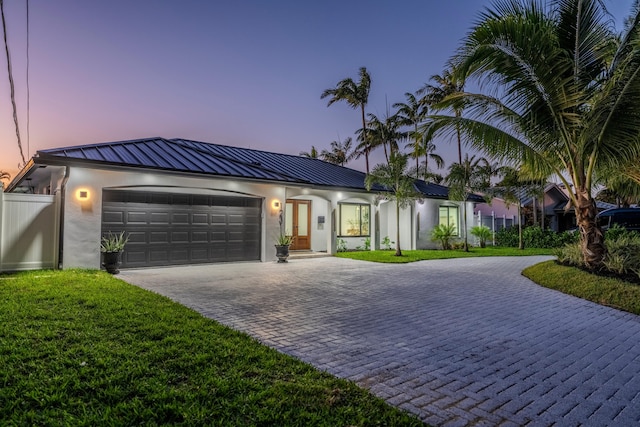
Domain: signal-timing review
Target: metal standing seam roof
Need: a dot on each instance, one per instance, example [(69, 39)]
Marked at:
[(183, 155)]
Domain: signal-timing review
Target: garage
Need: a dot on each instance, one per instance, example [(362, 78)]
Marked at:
[(175, 228)]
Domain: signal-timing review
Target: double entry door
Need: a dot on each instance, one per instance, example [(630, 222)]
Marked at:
[(298, 223)]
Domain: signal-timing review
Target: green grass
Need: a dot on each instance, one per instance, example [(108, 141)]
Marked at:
[(421, 255), (83, 348), (573, 281)]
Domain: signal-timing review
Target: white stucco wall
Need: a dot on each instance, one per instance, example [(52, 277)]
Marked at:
[(82, 219), (427, 213)]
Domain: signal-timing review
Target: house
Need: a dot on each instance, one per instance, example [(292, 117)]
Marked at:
[(186, 202), (551, 207)]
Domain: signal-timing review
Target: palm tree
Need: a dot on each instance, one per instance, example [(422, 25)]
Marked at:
[(4, 175), (514, 183), (313, 154), (567, 103), (411, 114), (356, 94), (393, 176), (446, 84), (340, 153), (383, 133), (465, 178), (426, 149)]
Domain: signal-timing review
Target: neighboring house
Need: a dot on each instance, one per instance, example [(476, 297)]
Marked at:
[(186, 202), (553, 205)]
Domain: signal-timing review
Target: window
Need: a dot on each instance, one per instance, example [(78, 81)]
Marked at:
[(449, 216), (354, 220)]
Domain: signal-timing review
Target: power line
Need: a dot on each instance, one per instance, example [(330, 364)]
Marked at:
[(28, 90), (11, 84)]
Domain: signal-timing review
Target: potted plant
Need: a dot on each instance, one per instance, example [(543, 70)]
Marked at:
[(111, 247), (283, 242)]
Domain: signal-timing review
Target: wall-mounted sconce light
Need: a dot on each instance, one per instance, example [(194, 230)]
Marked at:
[(83, 194), (275, 204)]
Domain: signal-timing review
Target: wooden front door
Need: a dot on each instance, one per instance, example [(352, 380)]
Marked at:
[(298, 223)]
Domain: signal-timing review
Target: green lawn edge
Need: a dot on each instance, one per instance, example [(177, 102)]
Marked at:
[(606, 291), (81, 347), (429, 254)]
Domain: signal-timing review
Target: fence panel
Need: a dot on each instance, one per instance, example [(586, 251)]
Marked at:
[(29, 228)]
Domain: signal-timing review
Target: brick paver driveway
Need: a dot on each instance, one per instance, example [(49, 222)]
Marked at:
[(458, 342)]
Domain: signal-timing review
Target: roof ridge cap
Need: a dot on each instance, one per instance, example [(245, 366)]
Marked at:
[(248, 164)]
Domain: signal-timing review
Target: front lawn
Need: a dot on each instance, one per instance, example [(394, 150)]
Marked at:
[(421, 255), (83, 348), (607, 291)]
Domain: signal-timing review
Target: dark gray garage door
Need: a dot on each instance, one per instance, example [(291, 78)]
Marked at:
[(171, 229)]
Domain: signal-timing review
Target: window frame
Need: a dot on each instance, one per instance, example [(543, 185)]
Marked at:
[(360, 205), (449, 208)]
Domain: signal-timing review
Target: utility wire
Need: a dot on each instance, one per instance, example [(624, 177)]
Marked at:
[(13, 91), (28, 90)]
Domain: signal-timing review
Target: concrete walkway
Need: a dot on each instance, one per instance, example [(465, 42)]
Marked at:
[(461, 342)]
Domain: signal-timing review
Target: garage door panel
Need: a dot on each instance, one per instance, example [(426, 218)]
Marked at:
[(180, 236), (134, 257), (200, 218), (159, 237), (173, 229), (136, 217), (113, 217), (200, 236), (159, 218)]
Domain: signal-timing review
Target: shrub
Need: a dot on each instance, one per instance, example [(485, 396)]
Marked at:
[(443, 234), (534, 237), (386, 243), (622, 258), (341, 245), (483, 233)]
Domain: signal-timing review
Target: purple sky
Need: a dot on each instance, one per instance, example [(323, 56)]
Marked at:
[(242, 73)]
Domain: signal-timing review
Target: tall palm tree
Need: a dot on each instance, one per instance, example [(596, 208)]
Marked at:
[(411, 114), (446, 84), (385, 132), (340, 153), (356, 94), (312, 154), (465, 178), (393, 175), (427, 149), (568, 96)]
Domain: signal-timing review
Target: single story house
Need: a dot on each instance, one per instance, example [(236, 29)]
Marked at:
[(186, 202)]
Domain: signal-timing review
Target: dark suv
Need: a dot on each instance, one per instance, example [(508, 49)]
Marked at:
[(628, 218)]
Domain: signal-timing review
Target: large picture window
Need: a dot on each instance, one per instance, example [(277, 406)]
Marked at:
[(354, 220), (449, 216)]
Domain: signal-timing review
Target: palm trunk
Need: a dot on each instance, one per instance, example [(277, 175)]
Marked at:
[(591, 236), (466, 242), (520, 239), (458, 114), (398, 251), (364, 138)]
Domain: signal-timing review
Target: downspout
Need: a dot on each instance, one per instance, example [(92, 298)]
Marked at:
[(63, 188)]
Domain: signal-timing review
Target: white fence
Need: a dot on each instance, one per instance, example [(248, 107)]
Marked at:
[(495, 223), (29, 229)]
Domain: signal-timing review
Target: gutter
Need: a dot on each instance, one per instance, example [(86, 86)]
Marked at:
[(63, 190)]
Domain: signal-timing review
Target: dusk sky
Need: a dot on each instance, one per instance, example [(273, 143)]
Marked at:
[(241, 73)]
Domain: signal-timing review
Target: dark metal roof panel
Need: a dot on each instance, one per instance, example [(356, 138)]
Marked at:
[(165, 154)]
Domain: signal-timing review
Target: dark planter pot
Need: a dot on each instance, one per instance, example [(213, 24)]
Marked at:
[(282, 252), (111, 261)]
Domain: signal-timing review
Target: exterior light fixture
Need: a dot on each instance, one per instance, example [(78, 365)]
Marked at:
[(275, 204), (83, 194)]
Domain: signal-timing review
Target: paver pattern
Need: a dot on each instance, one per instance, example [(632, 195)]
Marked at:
[(461, 342)]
